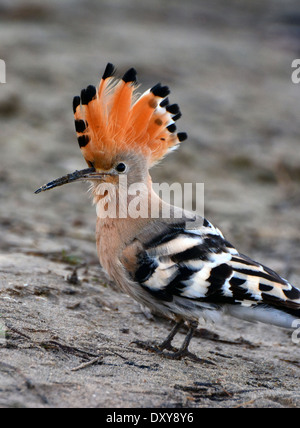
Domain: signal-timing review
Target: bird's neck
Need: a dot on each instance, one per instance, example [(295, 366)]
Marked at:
[(114, 232), (128, 208)]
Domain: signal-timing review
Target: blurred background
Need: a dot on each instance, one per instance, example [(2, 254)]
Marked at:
[(228, 64)]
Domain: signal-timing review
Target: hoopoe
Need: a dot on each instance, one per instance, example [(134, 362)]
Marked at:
[(181, 266)]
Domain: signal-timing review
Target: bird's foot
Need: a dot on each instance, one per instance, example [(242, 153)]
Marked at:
[(154, 347), (178, 354), (174, 354)]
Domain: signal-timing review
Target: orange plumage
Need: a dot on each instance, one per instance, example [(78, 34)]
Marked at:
[(111, 120)]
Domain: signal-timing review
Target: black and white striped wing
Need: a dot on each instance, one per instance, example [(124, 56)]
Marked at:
[(190, 267)]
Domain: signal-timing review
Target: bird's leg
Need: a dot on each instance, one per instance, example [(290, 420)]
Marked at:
[(176, 354), (183, 350), (166, 344)]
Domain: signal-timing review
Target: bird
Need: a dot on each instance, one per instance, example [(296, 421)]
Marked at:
[(178, 265)]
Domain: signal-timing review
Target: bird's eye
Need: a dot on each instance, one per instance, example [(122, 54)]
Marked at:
[(121, 167)]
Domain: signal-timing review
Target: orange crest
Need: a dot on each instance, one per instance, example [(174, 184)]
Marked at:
[(109, 120)]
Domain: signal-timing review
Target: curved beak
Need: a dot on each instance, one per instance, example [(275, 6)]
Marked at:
[(84, 174)]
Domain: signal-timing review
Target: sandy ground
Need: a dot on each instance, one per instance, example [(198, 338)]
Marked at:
[(66, 332)]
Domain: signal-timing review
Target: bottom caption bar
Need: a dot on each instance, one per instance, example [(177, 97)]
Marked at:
[(137, 417)]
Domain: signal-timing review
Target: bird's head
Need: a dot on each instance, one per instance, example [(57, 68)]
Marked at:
[(120, 133)]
